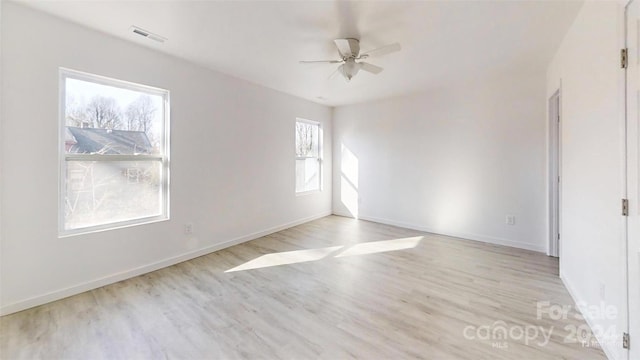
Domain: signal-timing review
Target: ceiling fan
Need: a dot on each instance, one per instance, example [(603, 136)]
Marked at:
[(349, 50)]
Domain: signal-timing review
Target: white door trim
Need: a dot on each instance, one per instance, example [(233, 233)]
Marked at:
[(632, 176), (553, 248)]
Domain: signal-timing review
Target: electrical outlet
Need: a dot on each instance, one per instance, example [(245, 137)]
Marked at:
[(188, 229), (511, 220)]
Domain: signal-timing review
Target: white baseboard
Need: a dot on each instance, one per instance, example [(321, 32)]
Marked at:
[(110, 279), (466, 236), (606, 346)]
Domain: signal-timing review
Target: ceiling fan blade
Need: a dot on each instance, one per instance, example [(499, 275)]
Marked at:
[(370, 68), (387, 49), (347, 47), (320, 61)]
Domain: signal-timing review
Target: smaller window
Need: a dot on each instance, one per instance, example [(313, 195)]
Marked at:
[(308, 156)]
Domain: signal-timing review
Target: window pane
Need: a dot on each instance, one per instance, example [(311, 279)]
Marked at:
[(102, 119), (103, 192), (307, 175), (307, 139)]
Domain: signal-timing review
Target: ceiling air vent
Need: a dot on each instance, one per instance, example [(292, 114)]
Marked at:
[(148, 34)]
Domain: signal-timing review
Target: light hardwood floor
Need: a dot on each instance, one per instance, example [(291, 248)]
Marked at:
[(334, 288)]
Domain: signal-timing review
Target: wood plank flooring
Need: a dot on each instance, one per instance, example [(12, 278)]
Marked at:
[(335, 288)]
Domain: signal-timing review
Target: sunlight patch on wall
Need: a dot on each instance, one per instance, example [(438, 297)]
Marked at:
[(349, 181), (349, 166), (349, 197)]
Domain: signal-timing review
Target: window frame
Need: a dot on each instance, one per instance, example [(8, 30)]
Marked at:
[(64, 157), (319, 158)]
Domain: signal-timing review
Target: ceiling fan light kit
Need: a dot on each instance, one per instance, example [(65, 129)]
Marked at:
[(349, 50), (349, 69)]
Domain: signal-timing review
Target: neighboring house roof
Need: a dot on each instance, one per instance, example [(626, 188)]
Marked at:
[(68, 137), (109, 142)]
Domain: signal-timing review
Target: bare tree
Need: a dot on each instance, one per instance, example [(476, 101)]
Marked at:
[(140, 114), (104, 113), (304, 134), (75, 114)]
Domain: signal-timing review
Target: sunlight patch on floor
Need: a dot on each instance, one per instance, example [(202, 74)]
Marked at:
[(381, 246), (287, 257), (302, 256)]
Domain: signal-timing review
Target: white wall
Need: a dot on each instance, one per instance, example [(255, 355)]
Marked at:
[(454, 161), (232, 161), (592, 247), (1, 145)]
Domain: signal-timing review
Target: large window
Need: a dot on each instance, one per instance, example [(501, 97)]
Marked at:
[(114, 164), (308, 156)]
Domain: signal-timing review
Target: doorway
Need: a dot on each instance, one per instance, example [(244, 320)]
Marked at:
[(554, 175)]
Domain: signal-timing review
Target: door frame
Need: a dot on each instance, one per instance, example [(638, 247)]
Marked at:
[(554, 161), (631, 190)]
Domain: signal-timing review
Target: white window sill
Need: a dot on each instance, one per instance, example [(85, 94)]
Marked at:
[(305, 193), (112, 226)]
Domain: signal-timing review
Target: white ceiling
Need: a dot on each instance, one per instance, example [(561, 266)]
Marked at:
[(262, 41)]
